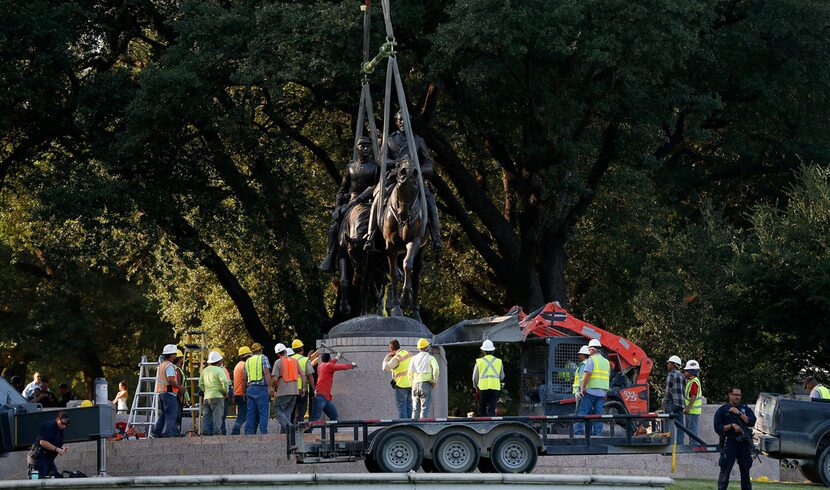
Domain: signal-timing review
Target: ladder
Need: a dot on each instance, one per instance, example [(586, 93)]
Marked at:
[(195, 354), (144, 409)]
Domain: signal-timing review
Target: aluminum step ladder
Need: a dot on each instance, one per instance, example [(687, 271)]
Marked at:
[(144, 409)]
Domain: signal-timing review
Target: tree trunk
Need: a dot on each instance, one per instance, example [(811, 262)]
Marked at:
[(552, 272), (91, 369)]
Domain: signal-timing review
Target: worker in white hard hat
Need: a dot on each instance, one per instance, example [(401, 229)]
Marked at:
[(423, 374), (693, 397), (213, 382), (595, 384), (488, 374), (285, 374), (673, 398), (583, 355), (167, 387)]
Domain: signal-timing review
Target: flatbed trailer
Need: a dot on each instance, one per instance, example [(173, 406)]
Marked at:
[(491, 444)]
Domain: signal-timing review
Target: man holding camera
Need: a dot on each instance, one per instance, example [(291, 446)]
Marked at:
[(732, 422)]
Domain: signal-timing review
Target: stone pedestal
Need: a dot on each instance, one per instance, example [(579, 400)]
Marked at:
[(365, 392)]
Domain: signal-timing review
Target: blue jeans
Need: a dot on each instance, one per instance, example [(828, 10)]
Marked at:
[(241, 414), (692, 423), (224, 430), (590, 405), (168, 408), (213, 410), (321, 405), (403, 400), (258, 409)]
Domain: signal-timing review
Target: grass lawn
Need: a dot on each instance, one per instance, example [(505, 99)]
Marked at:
[(710, 484)]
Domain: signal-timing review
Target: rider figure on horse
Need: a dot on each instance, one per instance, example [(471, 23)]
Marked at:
[(398, 148), (359, 182)]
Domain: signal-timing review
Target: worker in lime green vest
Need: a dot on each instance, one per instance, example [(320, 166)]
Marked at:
[(595, 381), (694, 397), (488, 374), (305, 383), (817, 390), (583, 355), (397, 362)]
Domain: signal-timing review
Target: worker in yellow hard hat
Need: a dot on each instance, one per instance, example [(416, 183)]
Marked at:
[(239, 398), (305, 383), (423, 374)]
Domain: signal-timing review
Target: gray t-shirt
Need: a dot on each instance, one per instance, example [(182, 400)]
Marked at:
[(285, 388)]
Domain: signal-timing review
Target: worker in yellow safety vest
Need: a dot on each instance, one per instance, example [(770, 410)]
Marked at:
[(580, 370), (397, 362), (694, 397), (257, 375), (594, 388), (423, 373), (488, 374), (305, 383), (817, 390)]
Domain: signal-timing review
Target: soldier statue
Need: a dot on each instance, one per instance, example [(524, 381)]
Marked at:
[(359, 182), (399, 147)]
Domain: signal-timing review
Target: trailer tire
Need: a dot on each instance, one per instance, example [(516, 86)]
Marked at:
[(371, 463), (514, 453), (810, 472), (823, 467), (428, 466), (455, 452), (399, 452), (485, 465)]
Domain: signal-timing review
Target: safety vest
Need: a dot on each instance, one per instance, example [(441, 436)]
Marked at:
[(578, 377), (162, 385), (823, 392), (489, 368), (303, 360), (290, 366), (399, 372), (253, 368), (601, 373), (697, 407)]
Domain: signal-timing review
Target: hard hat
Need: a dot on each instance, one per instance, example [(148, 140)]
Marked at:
[(220, 351), (296, 344), (86, 403), (214, 357), (179, 353), (255, 347), (279, 348), (289, 351), (244, 351), (487, 346), (584, 350), (675, 360), (169, 349), (691, 364), (423, 343), (594, 343)]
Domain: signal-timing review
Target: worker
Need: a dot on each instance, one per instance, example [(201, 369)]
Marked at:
[(397, 362), (214, 384), (184, 395), (226, 402), (49, 445), (817, 391), (674, 400), (693, 398), (594, 385), (168, 387), (732, 422), (324, 402), (488, 374), (423, 375), (305, 383), (239, 390), (583, 355), (285, 374), (257, 375)]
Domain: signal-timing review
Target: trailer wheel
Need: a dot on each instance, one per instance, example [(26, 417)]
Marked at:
[(371, 463), (810, 472), (823, 468), (514, 453), (485, 465), (399, 452), (455, 452), (428, 466)]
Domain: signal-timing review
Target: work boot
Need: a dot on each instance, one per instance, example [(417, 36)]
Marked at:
[(434, 224), (328, 265)]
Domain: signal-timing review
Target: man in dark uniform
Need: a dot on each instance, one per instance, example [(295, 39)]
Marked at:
[(358, 183), (398, 147), (51, 445), (732, 422)]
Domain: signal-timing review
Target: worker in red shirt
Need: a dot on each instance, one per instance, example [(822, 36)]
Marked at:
[(325, 375)]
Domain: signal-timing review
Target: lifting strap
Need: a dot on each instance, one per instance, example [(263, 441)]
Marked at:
[(365, 111)]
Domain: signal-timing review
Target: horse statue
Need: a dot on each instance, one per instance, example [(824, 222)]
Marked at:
[(403, 231), (361, 273)]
